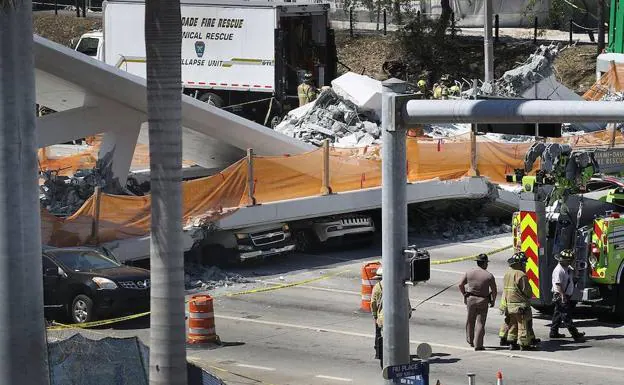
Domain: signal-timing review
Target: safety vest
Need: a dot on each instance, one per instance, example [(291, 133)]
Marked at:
[(515, 230), (306, 93), (437, 92), (516, 292)]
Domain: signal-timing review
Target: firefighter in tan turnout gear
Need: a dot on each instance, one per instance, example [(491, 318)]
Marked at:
[(517, 302), (306, 91), (377, 311)]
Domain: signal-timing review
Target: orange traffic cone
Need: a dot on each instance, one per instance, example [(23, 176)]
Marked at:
[(499, 378)]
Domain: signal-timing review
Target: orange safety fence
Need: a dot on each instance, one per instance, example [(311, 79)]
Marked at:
[(287, 177), (612, 80)]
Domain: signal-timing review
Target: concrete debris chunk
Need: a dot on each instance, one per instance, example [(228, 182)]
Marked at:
[(517, 80), (62, 195), (331, 117), (363, 91), (201, 277)]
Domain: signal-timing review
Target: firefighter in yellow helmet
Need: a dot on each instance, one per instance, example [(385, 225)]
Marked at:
[(517, 298), (504, 330), (306, 91), (422, 89)]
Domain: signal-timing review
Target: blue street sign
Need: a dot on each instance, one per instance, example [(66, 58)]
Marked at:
[(409, 370), (414, 380)]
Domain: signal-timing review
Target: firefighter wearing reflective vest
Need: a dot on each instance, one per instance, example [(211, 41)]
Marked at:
[(306, 91), (516, 302)]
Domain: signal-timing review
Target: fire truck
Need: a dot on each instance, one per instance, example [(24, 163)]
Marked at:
[(558, 212)]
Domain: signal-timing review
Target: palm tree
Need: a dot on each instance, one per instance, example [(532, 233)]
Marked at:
[(163, 37), (22, 329)]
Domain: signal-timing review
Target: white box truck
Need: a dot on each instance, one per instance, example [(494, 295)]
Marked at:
[(247, 57)]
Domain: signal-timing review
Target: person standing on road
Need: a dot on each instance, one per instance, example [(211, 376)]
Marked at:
[(480, 293), (517, 296), (504, 329), (563, 288), (377, 311)]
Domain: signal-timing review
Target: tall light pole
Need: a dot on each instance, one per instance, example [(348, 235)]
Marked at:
[(394, 230), (487, 41), (23, 349)]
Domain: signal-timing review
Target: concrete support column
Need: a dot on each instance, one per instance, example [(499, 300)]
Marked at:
[(23, 348), (115, 156)]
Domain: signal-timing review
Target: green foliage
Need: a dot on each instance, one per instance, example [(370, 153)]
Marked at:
[(426, 45), (559, 13)]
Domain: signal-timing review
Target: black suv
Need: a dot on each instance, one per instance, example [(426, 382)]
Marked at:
[(87, 283)]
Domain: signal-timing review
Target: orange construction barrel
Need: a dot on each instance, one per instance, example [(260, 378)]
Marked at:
[(201, 326), (368, 282)]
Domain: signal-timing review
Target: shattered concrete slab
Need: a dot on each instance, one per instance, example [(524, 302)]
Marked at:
[(363, 91), (516, 81), (331, 117)]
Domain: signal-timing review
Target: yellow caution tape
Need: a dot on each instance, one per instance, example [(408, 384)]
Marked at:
[(86, 325), (284, 286), (461, 259)]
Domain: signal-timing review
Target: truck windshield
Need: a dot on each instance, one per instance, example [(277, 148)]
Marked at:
[(88, 46), (84, 260)]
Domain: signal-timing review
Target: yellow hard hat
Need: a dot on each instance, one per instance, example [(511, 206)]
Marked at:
[(422, 83)]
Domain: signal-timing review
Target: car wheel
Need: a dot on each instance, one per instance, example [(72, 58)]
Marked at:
[(81, 309)]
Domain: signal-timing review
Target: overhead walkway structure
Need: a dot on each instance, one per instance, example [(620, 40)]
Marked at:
[(91, 98)]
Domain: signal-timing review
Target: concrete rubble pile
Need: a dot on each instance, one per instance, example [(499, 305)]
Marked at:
[(200, 277), (62, 195), (613, 97), (335, 115), (455, 221), (515, 82)]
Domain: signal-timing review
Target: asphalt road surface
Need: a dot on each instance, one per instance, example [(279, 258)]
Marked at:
[(314, 333)]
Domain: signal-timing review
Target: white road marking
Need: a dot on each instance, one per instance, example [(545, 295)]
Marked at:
[(334, 378), (445, 346), (256, 367)]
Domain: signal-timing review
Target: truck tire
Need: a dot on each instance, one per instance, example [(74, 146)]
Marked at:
[(212, 99), (619, 302), (305, 240), (275, 121), (217, 255)]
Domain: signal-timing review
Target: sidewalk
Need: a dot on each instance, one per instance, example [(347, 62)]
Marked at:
[(517, 33)]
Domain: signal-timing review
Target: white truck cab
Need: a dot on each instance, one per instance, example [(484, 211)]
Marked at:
[(92, 44)]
